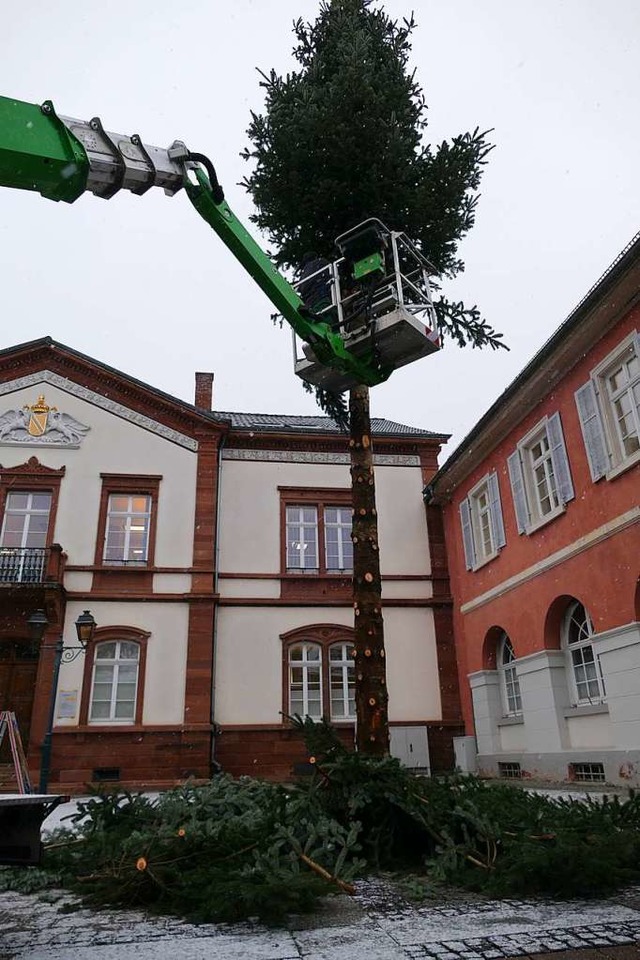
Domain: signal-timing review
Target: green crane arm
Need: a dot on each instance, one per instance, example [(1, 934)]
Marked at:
[(62, 158)]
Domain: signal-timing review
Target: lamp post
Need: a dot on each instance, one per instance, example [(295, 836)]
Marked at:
[(85, 629)]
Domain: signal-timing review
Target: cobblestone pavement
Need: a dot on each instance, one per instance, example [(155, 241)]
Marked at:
[(377, 924)]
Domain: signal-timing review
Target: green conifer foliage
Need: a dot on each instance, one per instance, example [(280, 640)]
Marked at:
[(342, 138)]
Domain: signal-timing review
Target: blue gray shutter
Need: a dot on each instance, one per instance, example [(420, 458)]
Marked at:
[(559, 459), (467, 535), (592, 430), (518, 491), (497, 524)]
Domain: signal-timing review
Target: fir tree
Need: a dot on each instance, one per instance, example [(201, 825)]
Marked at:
[(342, 139)]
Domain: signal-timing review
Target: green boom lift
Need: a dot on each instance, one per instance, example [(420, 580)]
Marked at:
[(378, 289)]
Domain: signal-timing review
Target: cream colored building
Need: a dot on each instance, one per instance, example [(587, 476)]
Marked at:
[(284, 624), (213, 551), (105, 494)]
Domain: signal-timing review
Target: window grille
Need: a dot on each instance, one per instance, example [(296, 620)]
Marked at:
[(587, 772), (509, 771)]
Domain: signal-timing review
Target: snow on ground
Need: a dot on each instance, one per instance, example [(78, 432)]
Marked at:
[(376, 924)]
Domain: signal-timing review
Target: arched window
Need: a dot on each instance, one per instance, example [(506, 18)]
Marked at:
[(509, 683), (585, 667), (320, 674), (114, 675), (114, 684)]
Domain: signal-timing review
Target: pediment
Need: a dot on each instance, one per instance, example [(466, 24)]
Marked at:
[(33, 467)]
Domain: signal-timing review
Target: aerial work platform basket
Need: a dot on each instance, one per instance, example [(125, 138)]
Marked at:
[(377, 296)]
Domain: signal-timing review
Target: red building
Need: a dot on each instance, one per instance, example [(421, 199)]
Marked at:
[(541, 512)]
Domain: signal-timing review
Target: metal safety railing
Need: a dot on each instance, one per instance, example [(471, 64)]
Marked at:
[(348, 307), (23, 565)]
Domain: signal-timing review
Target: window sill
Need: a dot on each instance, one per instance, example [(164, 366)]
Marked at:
[(543, 521), (511, 721), (92, 724), (623, 466), (317, 574), (586, 710), (485, 561)]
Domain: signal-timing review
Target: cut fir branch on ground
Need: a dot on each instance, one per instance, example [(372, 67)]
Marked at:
[(236, 849)]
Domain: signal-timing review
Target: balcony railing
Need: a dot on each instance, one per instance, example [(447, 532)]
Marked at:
[(26, 565)]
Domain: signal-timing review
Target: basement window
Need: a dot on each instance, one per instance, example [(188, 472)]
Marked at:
[(105, 774), (509, 771), (587, 772)]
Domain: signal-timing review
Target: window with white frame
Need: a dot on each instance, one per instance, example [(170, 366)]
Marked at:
[(302, 539), (26, 520), (305, 680), (318, 538), (321, 680), (114, 682), (337, 539), (23, 540), (127, 528), (586, 676), (540, 475), (609, 409), (342, 681), (509, 683), (481, 521)]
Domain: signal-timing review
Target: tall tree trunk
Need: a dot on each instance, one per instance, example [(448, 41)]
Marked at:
[(371, 682)]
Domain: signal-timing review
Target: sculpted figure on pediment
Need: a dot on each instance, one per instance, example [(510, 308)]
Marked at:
[(41, 425)]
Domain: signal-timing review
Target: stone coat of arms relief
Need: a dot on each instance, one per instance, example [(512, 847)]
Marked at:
[(41, 425)]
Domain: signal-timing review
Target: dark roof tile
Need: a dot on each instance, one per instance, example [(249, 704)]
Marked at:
[(285, 423)]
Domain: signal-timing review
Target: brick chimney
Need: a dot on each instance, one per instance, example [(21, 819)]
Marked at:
[(204, 391)]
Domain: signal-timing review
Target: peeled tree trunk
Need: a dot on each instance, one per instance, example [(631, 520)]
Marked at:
[(372, 734)]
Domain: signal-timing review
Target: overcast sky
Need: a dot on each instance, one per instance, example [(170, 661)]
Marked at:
[(141, 283)]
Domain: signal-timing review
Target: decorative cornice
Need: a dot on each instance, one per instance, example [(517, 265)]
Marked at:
[(111, 406), (326, 633), (33, 467), (318, 456)]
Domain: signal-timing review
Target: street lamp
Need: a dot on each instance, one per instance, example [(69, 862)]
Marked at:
[(37, 624), (85, 629)]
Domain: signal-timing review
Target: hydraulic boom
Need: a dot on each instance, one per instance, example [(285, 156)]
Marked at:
[(62, 158)]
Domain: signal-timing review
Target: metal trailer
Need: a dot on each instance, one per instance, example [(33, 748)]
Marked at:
[(21, 818)]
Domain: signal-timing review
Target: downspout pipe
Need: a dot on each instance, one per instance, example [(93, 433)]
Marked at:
[(215, 765)]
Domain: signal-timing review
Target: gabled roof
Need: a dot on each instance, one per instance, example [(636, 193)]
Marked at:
[(47, 353), (608, 300), (74, 364), (286, 423)]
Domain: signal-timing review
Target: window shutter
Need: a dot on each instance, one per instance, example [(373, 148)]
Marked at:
[(518, 491), (560, 459), (496, 511), (467, 535), (592, 430)]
